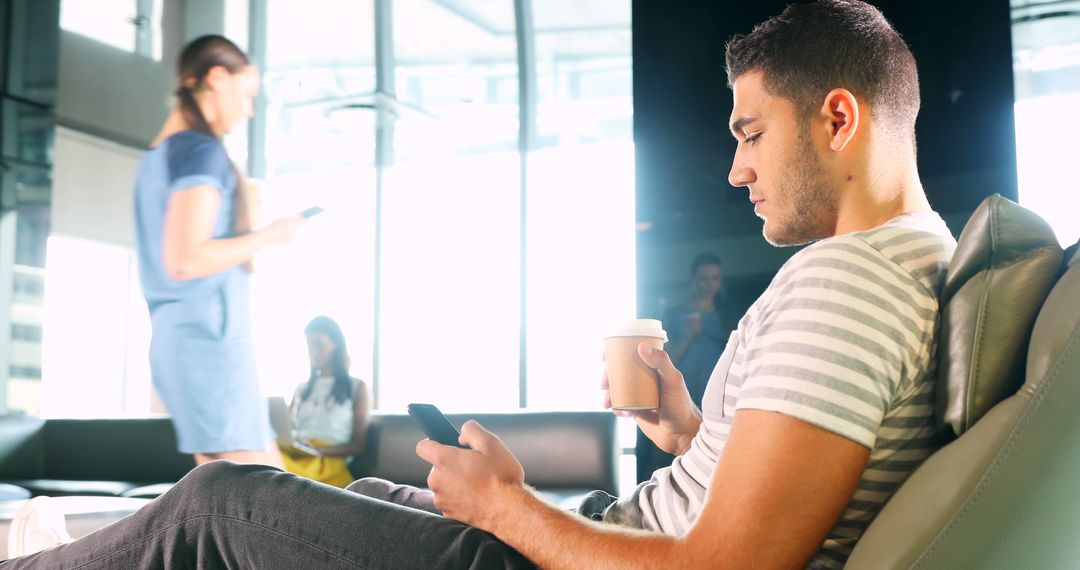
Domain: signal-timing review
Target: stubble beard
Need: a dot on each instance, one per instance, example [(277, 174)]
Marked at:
[(809, 201)]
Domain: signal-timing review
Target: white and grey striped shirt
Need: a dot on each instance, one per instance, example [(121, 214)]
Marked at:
[(843, 338)]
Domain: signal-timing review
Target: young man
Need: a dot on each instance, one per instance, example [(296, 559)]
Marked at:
[(818, 410)]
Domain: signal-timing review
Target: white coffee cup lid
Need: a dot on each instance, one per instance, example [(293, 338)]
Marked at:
[(641, 327)]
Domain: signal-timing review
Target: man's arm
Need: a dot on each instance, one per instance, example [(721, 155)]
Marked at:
[(779, 487)]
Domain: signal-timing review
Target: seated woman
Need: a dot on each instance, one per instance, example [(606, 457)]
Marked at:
[(329, 412)]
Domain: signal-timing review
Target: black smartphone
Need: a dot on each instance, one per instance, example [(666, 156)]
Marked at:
[(312, 211), (435, 424)]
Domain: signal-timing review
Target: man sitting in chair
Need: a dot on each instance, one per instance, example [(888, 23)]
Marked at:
[(818, 410)]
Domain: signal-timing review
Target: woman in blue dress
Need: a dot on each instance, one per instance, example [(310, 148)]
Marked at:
[(195, 244)]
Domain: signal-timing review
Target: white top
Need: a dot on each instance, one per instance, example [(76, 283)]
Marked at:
[(321, 416)]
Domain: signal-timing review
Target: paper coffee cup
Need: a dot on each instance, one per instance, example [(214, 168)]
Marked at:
[(631, 383)]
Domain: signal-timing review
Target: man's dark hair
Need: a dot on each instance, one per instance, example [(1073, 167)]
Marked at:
[(810, 49)]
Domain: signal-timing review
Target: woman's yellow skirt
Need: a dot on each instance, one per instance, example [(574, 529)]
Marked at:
[(329, 469)]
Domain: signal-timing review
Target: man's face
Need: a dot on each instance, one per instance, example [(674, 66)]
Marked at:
[(777, 161)]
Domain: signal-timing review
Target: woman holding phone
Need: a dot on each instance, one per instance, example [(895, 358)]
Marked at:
[(329, 412), (194, 219)]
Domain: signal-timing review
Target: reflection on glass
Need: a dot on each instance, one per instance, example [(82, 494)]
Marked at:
[(31, 231), (317, 154), (110, 22), (450, 285), (580, 210), (584, 77), (34, 131), (1046, 68), (461, 77), (34, 78), (326, 270), (33, 185), (28, 290)]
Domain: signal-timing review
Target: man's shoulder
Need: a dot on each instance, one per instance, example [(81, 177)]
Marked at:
[(913, 249)]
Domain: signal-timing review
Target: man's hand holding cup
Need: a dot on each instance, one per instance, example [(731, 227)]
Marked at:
[(641, 381)]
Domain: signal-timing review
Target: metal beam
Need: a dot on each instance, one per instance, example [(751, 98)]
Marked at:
[(384, 158), (257, 42), (526, 57), (8, 221)]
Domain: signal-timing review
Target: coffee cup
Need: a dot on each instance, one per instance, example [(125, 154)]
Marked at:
[(632, 384)]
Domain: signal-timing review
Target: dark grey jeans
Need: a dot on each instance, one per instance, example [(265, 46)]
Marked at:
[(223, 515)]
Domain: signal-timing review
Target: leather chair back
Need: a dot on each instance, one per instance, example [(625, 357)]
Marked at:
[(1006, 493)]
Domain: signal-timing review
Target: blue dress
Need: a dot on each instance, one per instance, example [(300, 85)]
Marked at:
[(201, 355)]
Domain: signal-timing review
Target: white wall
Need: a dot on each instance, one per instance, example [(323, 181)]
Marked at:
[(93, 185), (105, 90)]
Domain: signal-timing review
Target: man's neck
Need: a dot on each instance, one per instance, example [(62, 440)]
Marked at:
[(880, 196)]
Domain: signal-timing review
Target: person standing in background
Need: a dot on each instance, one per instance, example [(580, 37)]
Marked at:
[(329, 412), (194, 224), (699, 331)]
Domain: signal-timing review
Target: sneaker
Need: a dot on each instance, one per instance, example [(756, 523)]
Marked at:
[(38, 525)]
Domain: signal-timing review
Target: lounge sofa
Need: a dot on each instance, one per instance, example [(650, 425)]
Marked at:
[(565, 454)]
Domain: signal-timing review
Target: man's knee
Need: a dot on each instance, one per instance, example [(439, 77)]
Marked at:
[(371, 487), (204, 478)]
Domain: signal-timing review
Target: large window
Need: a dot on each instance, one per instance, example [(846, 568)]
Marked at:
[(477, 179), (451, 217), (130, 25), (580, 200), (469, 266), (1046, 50), (319, 141)]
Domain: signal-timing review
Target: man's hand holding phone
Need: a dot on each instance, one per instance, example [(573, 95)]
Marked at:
[(435, 424), (479, 465)]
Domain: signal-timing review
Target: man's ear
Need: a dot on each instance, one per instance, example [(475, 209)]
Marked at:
[(841, 112)]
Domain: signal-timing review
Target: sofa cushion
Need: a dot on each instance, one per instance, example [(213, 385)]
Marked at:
[(72, 487), (22, 447), (135, 450), (9, 492), (148, 491), (559, 450), (1006, 261)]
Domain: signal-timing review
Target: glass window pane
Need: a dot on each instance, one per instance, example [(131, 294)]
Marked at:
[(111, 22), (1046, 63), (450, 287), (319, 151), (580, 199), (32, 132), (583, 67)]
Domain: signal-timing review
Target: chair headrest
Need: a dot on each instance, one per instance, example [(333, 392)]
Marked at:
[(1006, 261)]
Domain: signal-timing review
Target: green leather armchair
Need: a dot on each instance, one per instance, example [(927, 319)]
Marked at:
[(1004, 491)]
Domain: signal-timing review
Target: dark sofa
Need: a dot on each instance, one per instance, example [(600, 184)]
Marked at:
[(565, 454)]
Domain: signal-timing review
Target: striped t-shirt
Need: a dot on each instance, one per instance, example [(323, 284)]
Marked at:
[(843, 338)]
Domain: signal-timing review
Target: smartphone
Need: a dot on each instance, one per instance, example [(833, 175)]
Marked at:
[(301, 446), (435, 424), (314, 210)]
